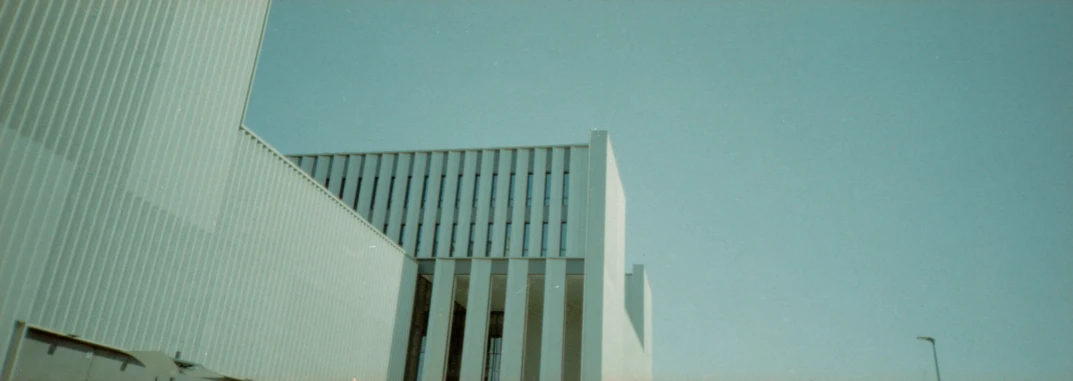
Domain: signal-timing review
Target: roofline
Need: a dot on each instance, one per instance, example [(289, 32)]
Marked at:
[(577, 145)]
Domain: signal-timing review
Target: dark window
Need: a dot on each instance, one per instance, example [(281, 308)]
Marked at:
[(454, 233), (402, 233), (510, 193), (495, 178), (506, 242), (472, 233), (566, 188), (547, 189), (372, 202), (417, 247), (529, 190), (443, 181), (544, 240), (488, 242), (458, 192), (525, 241), (406, 200), (357, 193), (495, 346)]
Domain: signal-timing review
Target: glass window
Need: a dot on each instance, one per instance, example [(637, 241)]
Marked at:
[(454, 233), (417, 247), (356, 194), (529, 190), (495, 346), (510, 192), (544, 240), (488, 241), (525, 241), (443, 182), (472, 233), (566, 188), (406, 199), (495, 179), (372, 202), (547, 189), (402, 233), (506, 242)]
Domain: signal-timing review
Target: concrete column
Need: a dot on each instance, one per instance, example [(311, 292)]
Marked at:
[(551, 350), (514, 320), (441, 310), (592, 326), (474, 345)]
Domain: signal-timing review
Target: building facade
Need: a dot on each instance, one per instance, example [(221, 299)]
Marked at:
[(138, 214), (521, 258), (136, 211)]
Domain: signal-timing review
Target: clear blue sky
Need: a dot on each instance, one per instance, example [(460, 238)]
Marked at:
[(811, 186)]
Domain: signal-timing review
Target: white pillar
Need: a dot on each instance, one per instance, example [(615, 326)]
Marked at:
[(474, 345), (551, 350), (514, 316), (440, 313)]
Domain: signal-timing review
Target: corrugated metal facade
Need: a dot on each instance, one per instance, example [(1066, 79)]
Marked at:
[(135, 212), (510, 202)]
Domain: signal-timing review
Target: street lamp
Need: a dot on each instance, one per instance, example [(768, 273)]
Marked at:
[(933, 353)]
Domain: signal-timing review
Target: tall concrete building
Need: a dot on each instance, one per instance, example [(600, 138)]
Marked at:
[(138, 214), (521, 257)]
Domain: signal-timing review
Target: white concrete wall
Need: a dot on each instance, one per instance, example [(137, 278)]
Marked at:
[(136, 212), (608, 334)]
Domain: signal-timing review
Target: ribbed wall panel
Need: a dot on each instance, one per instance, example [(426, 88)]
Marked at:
[(463, 245), (448, 228), (353, 172), (137, 213), (382, 193), (413, 218), (369, 175), (482, 201), (555, 202), (521, 181), (499, 211), (336, 177), (394, 211), (429, 235), (536, 203), (463, 190)]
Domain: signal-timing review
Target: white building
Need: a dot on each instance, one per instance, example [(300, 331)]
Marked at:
[(532, 242), (138, 214)]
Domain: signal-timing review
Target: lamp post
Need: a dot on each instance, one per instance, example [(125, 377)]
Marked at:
[(934, 353)]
